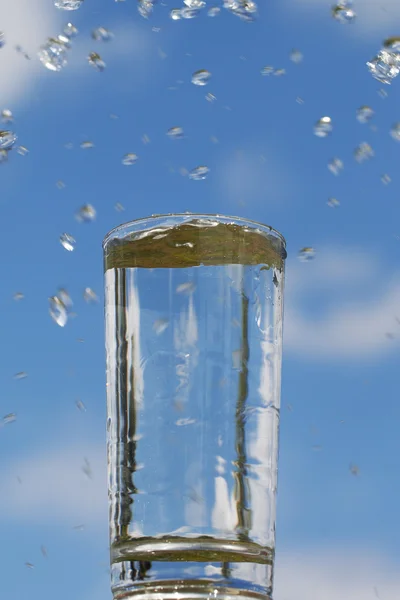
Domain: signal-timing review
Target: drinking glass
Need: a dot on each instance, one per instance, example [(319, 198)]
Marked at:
[(193, 307)]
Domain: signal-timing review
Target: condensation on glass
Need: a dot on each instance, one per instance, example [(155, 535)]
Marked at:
[(194, 344)]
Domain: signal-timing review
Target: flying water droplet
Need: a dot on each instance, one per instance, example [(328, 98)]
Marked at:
[(119, 207), (3, 156), (29, 565), (68, 4), (392, 45), (363, 152), (10, 418), (22, 150), (86, 214), (395, 131), (335, 166), (323, 127), (267, 70), (333, 203), (189, 13), (21, 375), (43, 550), (354, 470), (129, 159), (213, 11), (90, 296), (199, 173), (201, 77), (2, 39), (296, 56), (95, 61), (145, 8), (386, 179), (194, 4), (160, 325), (210, 97), (101, 34), (384, 67), (60, 184), (58, 311), (185, 422), (86, 145), (175, 133), (175, 14), (6, 115), (18, 296), (343, 12), (53, 55), (186, 288), (364, 114), (65, 298), (87, 469), (70, 30), (279, 72), (306, 254), (65, 41), (7, 140), (244, 9), (67, 242), (80, 406)]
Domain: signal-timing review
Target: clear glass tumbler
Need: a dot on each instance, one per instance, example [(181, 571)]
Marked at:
[(194, 344)]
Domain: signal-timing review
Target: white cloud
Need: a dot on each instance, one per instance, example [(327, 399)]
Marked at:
[(27, 23), (358, 307), (332, 573), (53, 487)]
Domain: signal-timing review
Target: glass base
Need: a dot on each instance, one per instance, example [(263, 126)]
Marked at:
[(186, 590)]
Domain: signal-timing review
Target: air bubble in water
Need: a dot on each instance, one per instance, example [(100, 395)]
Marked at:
[(175, 133), (335, 166), (68, 4), (363, 152), (95, 61), (201, 77), (384, 67), (86, 214), (343, 12), (395, 131), (323, 127), (199, 173), (53, 55), (67, 242), (306, 254), (7, 139), (129, 159), (364, 114)]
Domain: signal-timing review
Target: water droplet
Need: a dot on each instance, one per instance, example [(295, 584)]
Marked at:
[(53, 55), (363, 152), (129, 159), (201, 77), (195, 4), (335, 166), (70, 30), (6, 115), (18, 296), (244, 9), (279, 72), (323, 127), (160, 325), (58, 311), (386, 179), (354, 470), (267, 70), (145, 8), (384, 67), (175, 133), (344, 12), (95, 61), (2, 39), (22, 150), (87, 469), (395, 131), (189, 13), (21, 375), (68, 4), (145, 139), (213, 11), (186, 288), (382, 93), (7, 140), (65, 298), (86, 145), (364, 114), (175, 14), (43, 550), (79, 527), (299, 100), (199, 173), (296, 56), (29, 565), (10, 418), (67, 242), (60, 184), (210, 97), (392, 45), (306, 254), (3, 156), (184, 422), (65, 41), (80, 406), (119, 207), (90, 296), (86, 214), (101, 34), (333, 202)]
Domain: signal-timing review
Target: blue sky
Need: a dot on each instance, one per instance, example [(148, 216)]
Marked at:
[(336, 531)]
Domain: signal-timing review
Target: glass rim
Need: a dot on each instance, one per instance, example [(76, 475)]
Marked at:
[(218, 217)]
